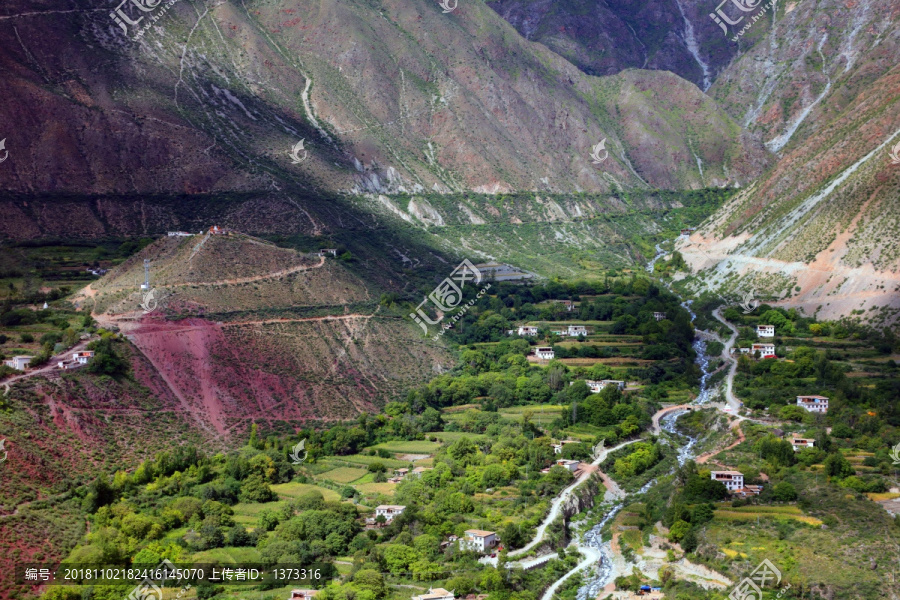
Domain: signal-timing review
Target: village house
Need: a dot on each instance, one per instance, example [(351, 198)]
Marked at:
[(748, 490), (597, 386), (528, 330), (389, 511), (544, 353), (567, 304), (436, 594), (18, 363), (687, 231), (816, 404), (479, 540), (417, 472), (765, 331), (659, 316), (324, 251), (557, 448), (800, 443), (570, 465), (745, 350), (179, 234), (576, 330), (733, 480), (83, 356), (765, 350), (216, 230), (303, 594)]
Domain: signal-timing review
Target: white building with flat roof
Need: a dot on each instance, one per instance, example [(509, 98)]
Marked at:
[(816, 404), (765, 331), (18, 363), (528, 330), (544, 353), (389, 511), (733, 480)]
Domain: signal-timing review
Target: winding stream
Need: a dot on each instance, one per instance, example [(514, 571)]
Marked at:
[(591, 545)]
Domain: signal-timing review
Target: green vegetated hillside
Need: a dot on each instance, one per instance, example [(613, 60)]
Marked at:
[(555, 235)]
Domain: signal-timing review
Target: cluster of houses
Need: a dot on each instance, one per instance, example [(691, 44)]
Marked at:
[(79, 359), (531, 330), (401, 474), (734, 483), (765, 350)]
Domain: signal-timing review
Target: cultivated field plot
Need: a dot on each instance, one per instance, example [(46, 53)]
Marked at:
[(291, 490), (386, 489), (451, 436), (247, 513), (413, 447), (344, 474), (540, 414), (749, 513), (361, 459)]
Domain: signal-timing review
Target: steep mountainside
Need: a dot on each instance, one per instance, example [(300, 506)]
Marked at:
[(819, 230), (385, 96), (604, 37), (261, 333)]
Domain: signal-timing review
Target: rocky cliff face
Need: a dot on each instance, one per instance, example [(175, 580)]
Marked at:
[(605, 37)]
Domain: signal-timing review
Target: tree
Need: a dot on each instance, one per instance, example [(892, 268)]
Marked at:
[(372, 580), (689, 542), (784, 492), (838, 466)]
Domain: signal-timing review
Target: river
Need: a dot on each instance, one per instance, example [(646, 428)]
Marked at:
[(591, 543)]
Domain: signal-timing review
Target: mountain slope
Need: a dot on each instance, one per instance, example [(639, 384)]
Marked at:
[(386, 96), (604, 37), (819, 229), (257, 333)]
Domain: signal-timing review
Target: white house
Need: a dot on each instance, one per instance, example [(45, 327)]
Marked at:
[(765, 331), (544, 353), (179, 234), (331, 251), (436, 594), (597, 386), (571, 465), (733, 480), (417, 472), (18, 362), (800, 443), (528, 330), (659, 316), (388, 511), (567, 304), (83, 357), (576, 330), (765, 350), (557, 448), (816, 404), (479, 540), (745, 350)]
